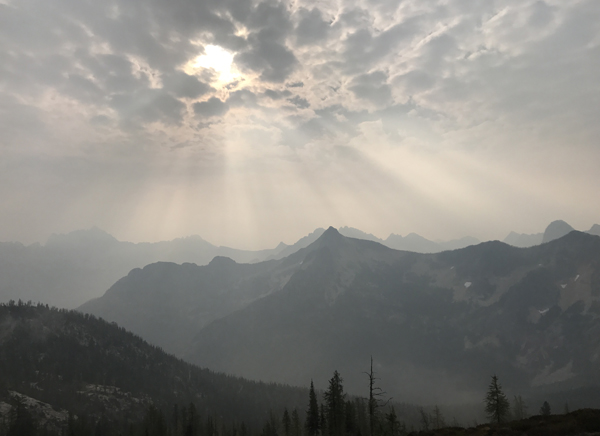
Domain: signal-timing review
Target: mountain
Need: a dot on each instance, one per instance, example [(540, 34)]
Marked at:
[(419, 244), (556, 229), (73, 268), (167, 303), (302, 242), (60, 361), (523, 240), (436, 324), (594, 230), (351, 232)]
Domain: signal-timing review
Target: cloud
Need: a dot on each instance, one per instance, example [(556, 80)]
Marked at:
[(183, 85), (113, 83), (276, 95), (211, 108), (311, 28), (372, 87), (148, 106), (267, 52), (299, 102)]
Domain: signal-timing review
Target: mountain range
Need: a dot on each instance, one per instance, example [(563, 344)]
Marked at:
[(437, 325), (71, 269)]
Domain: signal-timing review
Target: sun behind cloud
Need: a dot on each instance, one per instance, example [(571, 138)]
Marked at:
[(218, 59)]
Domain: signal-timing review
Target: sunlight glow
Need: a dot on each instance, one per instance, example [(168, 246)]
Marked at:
[(218, 59)]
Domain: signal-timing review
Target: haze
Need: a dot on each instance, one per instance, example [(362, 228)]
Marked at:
[(251, 123)]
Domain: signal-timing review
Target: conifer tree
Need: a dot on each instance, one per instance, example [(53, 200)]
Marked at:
[(286, 422), (335, 402), (312, 424), (295, 424), (497, 406), (545, 409)]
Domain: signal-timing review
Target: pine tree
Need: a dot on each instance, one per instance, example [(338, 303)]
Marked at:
[(395, 427), (286, 422), (295, 423), (335, 402), (497, 406), (312, 424), (545, 409)]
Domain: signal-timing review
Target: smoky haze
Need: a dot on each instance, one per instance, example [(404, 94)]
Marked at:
[(255, 122)]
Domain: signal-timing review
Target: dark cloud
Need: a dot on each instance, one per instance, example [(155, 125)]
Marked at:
[(276, 95), (274, 61), (372, 87), (213, 107), (183, 85), (312, 28), (299, 102), (242, 97), (267, 52)]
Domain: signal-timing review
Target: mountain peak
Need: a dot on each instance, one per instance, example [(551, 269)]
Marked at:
[(330, 238), (556, 229), (595, 230), (331, 234)]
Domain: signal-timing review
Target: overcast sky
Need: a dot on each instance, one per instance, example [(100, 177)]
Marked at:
[(251, 123)]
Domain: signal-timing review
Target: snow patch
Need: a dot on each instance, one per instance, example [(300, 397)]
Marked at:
[(468, 284), (563, 286), (543, 311), (576, 277)]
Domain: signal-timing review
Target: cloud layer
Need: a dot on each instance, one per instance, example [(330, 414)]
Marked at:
[(439, 117)]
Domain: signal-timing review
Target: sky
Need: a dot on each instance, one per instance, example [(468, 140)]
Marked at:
[(253, 122)]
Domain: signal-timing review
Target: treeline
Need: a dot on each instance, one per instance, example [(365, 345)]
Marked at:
[(334, 415)]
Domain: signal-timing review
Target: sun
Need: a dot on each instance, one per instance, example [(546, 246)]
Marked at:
[(218, 59)]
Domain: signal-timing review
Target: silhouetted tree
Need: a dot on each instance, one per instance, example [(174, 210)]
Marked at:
[(296, 429), (545, 409), (394, 426), (312, 424), (335, 402), (375, 394), (497, 406), (286, 422)]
